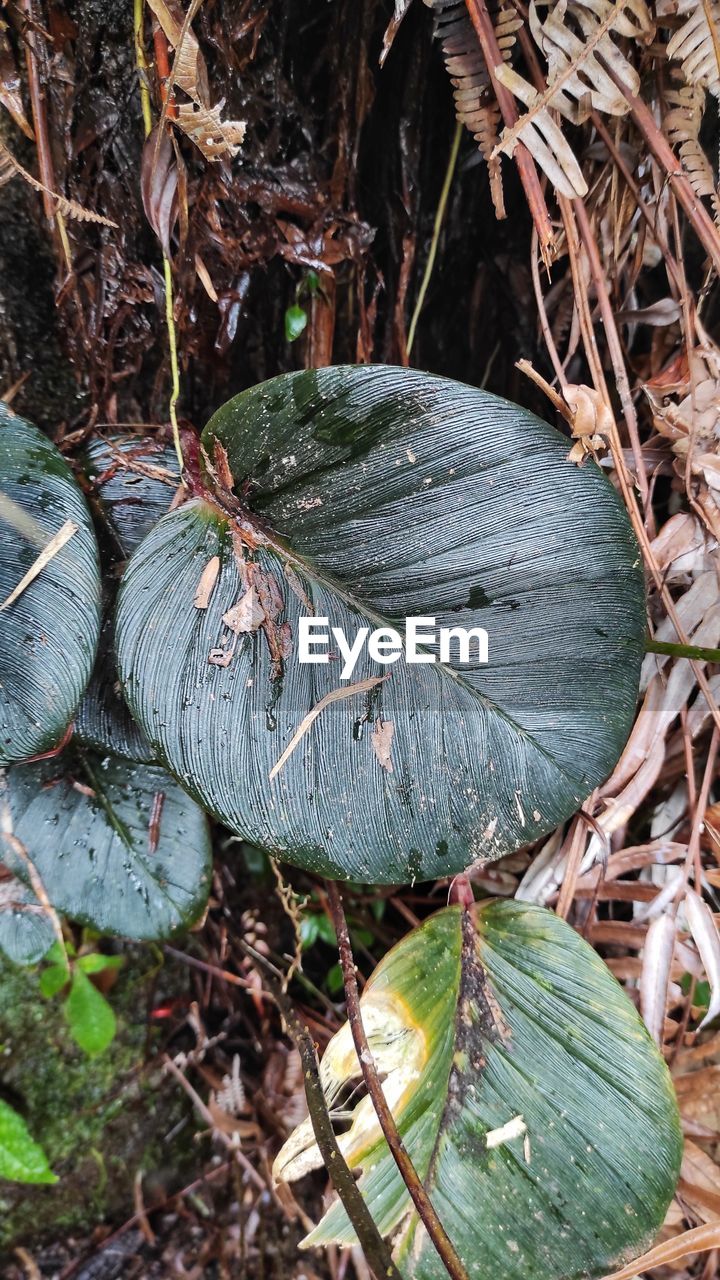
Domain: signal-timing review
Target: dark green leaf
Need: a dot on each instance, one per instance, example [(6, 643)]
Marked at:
[(103, 721), (48, 636), (537, 1111), (117, 846), (400, 494), (90, 1018), (133, 482), (26, 932), (21, 1159)]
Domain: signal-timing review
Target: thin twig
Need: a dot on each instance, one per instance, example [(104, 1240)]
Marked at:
[(437, 228), (39, 114), (411, 1178), (335, 695), (56, 543), (374, 1247), (613, 341), (142, 69), (697, 652), (695, 211)]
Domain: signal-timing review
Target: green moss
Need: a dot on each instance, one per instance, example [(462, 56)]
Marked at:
[(99, 1120)]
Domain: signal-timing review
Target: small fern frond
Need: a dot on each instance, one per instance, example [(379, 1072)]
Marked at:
[(682, 126), (11, 168), (572, 36), (475, 105), (696, 44)]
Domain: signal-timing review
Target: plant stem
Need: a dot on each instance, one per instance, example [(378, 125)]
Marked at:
[(373, 1246), (695, 652), (411, 1178), (142, 68), (437, 228), (673, 166), (485, 31)]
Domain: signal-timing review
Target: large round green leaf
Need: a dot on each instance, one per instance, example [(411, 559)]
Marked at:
[(117, 846), (49, 633), (375, 494), (536, 1109)]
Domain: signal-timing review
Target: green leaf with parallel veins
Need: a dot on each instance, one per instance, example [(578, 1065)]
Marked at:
[(103, 721), (90, 1018), (21, 1159), (49, 633), (26, 931), (392, 494), (132, 482), (117, 846), (536, 1109)]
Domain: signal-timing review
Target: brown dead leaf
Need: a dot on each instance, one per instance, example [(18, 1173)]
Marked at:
[(699, 1185), (159, 186), (699, 1240), (246, 615), (202, 123), (212, 135), (381, 741), (206, 585)]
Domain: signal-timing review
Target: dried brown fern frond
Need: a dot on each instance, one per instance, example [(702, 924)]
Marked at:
[(573, 36), (696, 44), (682, 126), (11, 168), (475, 104), (542, 136)]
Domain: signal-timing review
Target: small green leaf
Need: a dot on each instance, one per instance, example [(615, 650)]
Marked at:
[(53, 980), (21, 1159), (295, 322), (334, 980), (539, 1114), (59, 954), (90, 1018), (98, 963), (308, 930)]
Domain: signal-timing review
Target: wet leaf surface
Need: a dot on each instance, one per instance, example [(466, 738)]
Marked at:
[(532, 1101), (49, 632), (90, 825), (378, 494)]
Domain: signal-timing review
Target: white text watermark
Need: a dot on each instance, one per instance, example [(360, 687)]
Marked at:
[(318, 641)]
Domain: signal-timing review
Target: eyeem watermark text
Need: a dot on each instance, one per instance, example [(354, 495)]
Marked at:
[(317, 640)]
